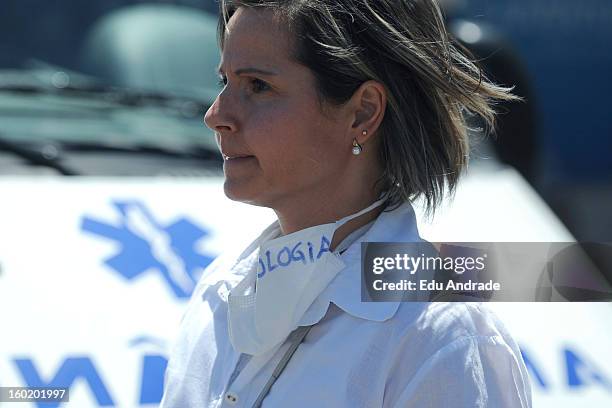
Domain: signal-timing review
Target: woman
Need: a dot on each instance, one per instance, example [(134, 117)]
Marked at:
[(331, 112)]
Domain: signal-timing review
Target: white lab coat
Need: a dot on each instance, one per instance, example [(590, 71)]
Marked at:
[(359, 354)]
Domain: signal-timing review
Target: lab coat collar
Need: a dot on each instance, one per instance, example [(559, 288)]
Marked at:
[(398, 225)]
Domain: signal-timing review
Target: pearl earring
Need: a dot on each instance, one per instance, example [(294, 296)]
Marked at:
[(356, 146)]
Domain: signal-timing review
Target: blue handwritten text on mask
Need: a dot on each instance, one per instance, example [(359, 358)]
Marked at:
[(278, 259)]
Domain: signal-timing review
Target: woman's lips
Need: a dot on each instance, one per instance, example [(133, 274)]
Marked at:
[(238, 163), (235, 157)]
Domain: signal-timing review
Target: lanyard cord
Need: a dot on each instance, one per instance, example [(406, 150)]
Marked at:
[(298, 337)]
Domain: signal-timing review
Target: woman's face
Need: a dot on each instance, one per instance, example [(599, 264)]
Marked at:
[(278, 144)]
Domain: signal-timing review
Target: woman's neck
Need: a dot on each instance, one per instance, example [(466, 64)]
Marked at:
[(328, 208)]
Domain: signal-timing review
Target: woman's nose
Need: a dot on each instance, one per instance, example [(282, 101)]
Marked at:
[(217, 117)]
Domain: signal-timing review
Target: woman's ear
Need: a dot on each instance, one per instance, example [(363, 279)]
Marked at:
[(368, 104)]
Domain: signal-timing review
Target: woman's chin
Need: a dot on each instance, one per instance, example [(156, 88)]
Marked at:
[(241, 191)]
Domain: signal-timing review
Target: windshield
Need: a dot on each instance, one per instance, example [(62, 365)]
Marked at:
[(113, 76), (53, 31)]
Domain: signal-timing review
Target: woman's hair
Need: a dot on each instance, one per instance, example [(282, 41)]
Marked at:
[(432, 84)]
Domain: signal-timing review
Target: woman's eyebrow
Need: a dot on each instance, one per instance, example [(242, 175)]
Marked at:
[(249, 70)]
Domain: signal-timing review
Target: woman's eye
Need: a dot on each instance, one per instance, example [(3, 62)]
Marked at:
[(259, 85)]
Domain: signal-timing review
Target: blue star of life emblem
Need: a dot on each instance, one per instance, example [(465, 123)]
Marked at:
[(146, 244)]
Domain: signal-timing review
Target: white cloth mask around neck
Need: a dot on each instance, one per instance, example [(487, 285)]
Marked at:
[(291, 271)]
